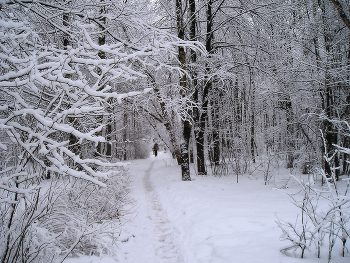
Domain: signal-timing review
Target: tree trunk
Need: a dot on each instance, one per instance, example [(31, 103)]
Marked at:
[(215, 153), (215, 132), (252, 117), (346, 143), (330, 130), (199, 136), (185, 165), (125, 134), (341, 13), (287, 106), (73, 140), (103, 147)]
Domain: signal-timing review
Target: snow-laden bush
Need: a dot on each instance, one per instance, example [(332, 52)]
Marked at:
[(324, 211), (86, 217), (324, 218), (38, 102), (70, 218)]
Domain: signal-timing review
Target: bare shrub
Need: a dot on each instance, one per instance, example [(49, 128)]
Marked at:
[(315, 221)]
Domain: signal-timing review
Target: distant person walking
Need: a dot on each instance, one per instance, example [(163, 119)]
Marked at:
[(155, 149)]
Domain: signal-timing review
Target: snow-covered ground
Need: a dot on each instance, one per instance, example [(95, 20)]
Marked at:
[(210, 219)]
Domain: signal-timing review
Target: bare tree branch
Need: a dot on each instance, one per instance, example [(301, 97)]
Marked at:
[(341, 13)]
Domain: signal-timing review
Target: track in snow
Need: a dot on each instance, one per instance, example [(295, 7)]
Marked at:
[(166, 249)]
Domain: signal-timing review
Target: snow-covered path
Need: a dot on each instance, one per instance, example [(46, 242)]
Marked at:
[(148, 237), (208, 220), (166, 247)]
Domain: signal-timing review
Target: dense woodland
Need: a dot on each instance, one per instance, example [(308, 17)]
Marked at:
[(225, 84)]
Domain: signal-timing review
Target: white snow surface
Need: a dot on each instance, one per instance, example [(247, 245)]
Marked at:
[(207, 220)]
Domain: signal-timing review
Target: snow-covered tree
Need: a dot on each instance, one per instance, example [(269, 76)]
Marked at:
[(60, 87)]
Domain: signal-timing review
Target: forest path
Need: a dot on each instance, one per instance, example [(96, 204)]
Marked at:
[(148, 236), (165, 245)]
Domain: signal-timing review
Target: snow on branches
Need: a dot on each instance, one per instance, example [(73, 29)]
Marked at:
[(58, 80), (40, 91), (49, 92), (324, 210)]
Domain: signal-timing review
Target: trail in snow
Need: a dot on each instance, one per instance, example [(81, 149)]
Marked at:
[(166, 247), (206, 220)]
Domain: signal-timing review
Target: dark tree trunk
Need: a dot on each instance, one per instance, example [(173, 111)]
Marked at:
[(341, 13), (208, 45), (346, 156), (346, 143), (290, 131), (199, 136), (185, 160), (125, 134), (330, 130), (102, 37), (185, 166), (331, 134), (102, 147), (201, 130), (252, 127), (73, 140), (216, 148), (252, 115), (215, 129)]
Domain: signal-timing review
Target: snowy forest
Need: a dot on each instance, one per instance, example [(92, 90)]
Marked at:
[(228, 88)]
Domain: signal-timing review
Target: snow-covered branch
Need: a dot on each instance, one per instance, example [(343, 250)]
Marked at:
[(58, 84)]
